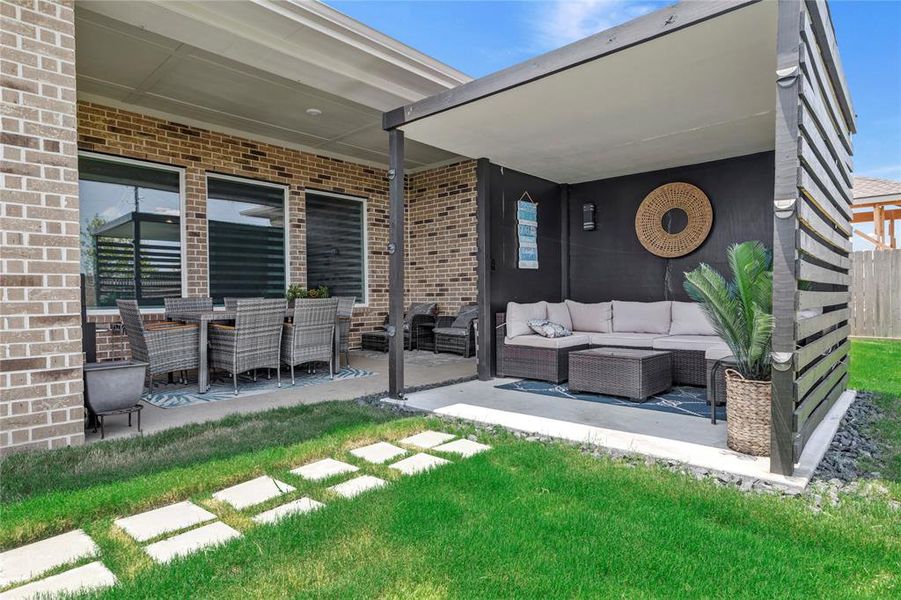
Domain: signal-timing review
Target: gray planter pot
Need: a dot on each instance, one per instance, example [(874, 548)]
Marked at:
[(113, 386)]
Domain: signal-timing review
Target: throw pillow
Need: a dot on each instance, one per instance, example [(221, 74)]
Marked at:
[(548, 329)]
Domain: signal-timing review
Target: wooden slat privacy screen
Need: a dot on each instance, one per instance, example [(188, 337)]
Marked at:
[(812, 245)]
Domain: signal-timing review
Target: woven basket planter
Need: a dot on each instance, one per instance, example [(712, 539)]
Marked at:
[(748, 414)]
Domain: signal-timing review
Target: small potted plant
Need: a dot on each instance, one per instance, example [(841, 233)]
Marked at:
[(295, 291), (741, 312)]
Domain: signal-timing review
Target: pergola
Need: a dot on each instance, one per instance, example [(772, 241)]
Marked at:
[(689, 84), (877, 201)]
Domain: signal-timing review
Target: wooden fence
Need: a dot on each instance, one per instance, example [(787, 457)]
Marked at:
[(876, 294)]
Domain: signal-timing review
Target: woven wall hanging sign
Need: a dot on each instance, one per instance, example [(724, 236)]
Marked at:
[(649, 219)]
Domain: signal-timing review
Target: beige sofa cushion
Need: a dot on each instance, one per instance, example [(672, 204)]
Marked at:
[(642, 317), (537, 341), (625, 339), (519, 315), (688, 342), (590, 317), (717, 352), (557, 312), (689, 319)]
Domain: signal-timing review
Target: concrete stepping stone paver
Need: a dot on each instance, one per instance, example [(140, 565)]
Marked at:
[(427, 439), (92, 576), (28, 562), (154, 523), (303, 505), (253, 492), (358, 485), (191, 541), (378, 453), (464, 448), (323, 469), (418, 463)]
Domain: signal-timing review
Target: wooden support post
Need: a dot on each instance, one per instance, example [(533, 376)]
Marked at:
[(396, 264), (486, 368), (785, 235)]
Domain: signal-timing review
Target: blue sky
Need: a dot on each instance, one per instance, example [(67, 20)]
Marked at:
[(481, 37)]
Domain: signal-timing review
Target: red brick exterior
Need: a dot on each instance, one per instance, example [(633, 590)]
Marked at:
[(40, 361), (441, 236), (440, 215)]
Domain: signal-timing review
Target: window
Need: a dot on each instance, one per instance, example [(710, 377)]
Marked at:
[(336, 244), (246, 225), (130, 220)]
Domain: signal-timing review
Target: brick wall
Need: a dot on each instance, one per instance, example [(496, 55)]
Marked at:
[(40, 360), (441, 236), (441, 208), (122, 133)]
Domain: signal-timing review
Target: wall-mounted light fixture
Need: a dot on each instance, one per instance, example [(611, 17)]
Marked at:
[(588, 222)]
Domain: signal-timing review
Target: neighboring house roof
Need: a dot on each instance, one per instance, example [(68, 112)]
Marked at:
[(254, 68), (872, 189)]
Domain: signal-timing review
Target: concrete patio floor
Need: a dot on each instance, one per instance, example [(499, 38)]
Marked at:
[(688, 439), (420, 368)]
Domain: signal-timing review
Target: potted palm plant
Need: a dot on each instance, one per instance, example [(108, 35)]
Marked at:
[(741, 312)]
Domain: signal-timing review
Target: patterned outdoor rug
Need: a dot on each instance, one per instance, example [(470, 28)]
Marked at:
[(681, 400), (176, 395)]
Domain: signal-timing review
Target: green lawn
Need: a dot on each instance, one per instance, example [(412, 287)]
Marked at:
[(521, 520), (524, 519), (876, 367)]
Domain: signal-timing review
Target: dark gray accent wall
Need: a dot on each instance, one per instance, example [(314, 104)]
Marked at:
[(610, 263), (508, 282)]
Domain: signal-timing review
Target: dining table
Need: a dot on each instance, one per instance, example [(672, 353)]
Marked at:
[(203, 318)]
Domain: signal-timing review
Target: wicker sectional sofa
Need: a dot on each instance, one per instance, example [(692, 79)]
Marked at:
[(677, 327)]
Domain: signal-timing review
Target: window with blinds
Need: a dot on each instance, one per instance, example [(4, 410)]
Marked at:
[(246, 228), (336, 244)]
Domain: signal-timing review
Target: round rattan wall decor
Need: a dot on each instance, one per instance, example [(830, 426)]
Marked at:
[(655, 206)]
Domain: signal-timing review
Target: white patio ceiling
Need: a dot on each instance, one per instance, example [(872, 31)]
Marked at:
[(701, 93), (253, 68)]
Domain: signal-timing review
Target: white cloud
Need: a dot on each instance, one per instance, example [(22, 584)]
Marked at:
[(561, 22)]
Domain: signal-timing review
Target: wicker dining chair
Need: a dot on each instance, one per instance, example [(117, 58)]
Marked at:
[(345, 317), (310, 337), (253, 342), (457, 334), (166, 347), (195, 304)]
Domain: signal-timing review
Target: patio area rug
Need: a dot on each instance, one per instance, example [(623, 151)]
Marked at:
[(177, 395), (681, 400)]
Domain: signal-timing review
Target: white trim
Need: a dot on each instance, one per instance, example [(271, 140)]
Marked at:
[(286, 198), (365, 201), (182, 224)]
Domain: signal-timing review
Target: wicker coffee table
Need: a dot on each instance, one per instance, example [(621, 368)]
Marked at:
[(629, 372)]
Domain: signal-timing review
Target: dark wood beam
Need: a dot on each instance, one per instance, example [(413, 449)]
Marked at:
[(486, 368), (396, 264)]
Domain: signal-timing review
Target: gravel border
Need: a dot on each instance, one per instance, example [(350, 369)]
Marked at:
[(844, 468)]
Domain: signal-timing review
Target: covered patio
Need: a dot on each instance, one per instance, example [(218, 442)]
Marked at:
[(745, 101)]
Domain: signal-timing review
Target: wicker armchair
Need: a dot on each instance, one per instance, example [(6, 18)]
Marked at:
[(415, 334), (457, 334), (167, 347), (311, 337), (253, 342), (345, 317)]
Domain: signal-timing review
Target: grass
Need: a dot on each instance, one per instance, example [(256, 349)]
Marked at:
[(524, 519), (76, 468), (876, 367)]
